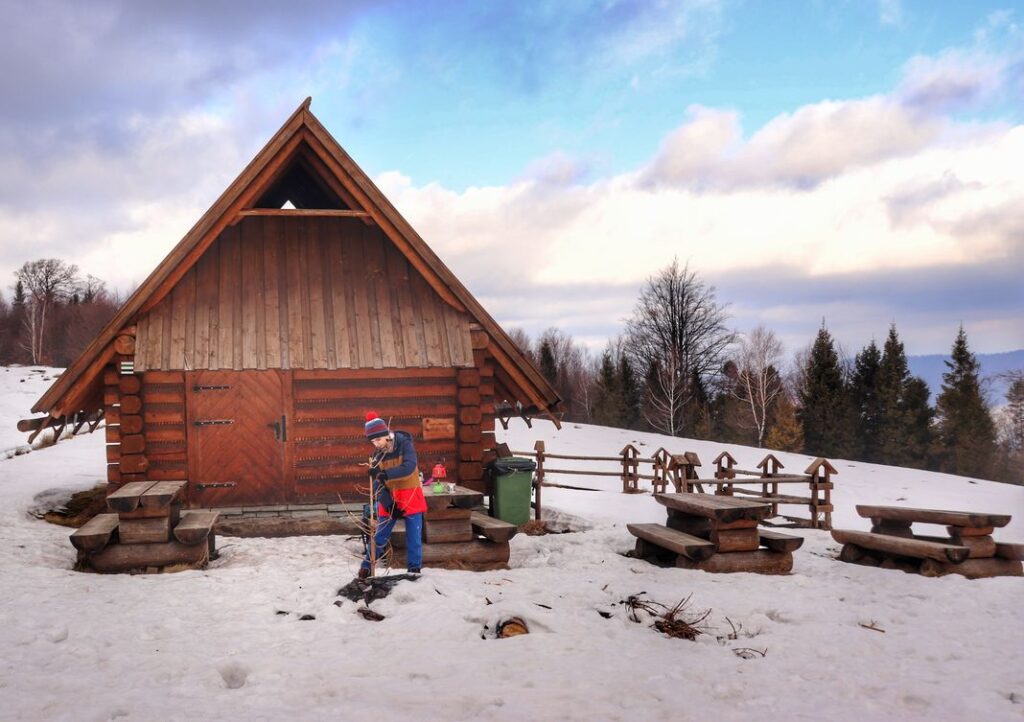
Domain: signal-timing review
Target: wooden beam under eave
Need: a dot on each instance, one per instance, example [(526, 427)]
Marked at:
[(516, 375), (71, 400), (302, 212)]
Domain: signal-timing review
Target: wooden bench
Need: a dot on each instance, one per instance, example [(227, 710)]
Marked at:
[(907, 516), (901, 546), (679, 542), (779, 542), (494, 529), (95, 533), (195, 526)]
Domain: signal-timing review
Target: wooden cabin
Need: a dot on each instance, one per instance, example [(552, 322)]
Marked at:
[(246, 361)]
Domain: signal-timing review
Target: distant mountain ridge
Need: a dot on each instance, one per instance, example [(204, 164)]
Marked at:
[(930, 367)]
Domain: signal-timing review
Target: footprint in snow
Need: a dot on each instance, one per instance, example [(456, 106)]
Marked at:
[(233, 674)]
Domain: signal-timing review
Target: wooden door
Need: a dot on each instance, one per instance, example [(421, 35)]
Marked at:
[(237, 438)]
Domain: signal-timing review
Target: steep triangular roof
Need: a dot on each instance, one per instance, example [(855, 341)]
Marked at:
[(304, 147)]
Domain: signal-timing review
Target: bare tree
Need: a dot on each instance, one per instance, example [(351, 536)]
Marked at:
[(568, 367), (677, 337), (758, 383), (46, 281)]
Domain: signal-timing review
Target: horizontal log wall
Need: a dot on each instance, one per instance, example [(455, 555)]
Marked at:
[(302, 293), (326, 427), (163, 401)]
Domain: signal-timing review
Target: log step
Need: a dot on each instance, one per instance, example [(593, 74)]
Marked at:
[(127, 497), (1007, 550), (901, 546), (195, 526), (974, 568), (762, 561), (95, 533), (128, 557), (478, 554), (494, 529), (779, 542), (675, 541), (162, 494)]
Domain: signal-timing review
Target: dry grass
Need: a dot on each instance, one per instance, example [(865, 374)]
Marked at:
[(534, 527), (82, 507)]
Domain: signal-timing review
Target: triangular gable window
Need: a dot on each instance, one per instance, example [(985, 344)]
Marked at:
[(300, 186)]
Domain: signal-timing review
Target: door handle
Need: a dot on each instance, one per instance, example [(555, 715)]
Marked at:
[(284, 428), (276, 426)]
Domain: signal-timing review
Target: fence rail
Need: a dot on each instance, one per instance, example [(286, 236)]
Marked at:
[(680, 470)]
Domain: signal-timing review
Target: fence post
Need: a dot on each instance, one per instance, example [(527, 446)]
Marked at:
[(692, 462), (630, 469), (769, 467), (678, 467), (660, 481), (821, 472), (538, 479)]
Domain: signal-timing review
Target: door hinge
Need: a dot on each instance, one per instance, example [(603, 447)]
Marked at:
[(197, 388), (216, 485), (213, 422)]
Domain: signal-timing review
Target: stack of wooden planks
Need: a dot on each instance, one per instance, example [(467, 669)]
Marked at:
[(145, 530), (969, 549), (458, 537), (715, 534)]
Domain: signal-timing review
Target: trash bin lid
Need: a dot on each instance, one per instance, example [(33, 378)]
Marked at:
[(509, 464)]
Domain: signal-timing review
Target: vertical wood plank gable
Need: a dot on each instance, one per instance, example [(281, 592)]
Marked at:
[(324, 233), (317, 322), (296, 341), (340, 305), (383, 288), (357, 280), (251, 293), (225, 314), (271, 291)]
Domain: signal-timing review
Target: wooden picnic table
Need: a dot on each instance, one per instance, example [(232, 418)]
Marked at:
[(722, 509), (969, 549)]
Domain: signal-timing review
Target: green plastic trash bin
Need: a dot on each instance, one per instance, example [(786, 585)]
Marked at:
[(512, 479)]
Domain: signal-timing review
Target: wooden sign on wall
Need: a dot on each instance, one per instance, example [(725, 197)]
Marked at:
[(438, 429)]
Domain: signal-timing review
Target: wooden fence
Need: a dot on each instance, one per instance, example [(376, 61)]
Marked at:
[(680, 470)]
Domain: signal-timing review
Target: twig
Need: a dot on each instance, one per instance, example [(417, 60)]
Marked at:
[(872, 625)]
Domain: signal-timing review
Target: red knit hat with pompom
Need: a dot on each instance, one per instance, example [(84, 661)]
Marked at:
[(375, 426)]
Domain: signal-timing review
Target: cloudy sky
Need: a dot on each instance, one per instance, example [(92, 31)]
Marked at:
[(858, 162)]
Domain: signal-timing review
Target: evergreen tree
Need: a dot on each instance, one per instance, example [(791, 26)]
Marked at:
[(965, 433), (630, 390), (825, 414), (894, 426), (609, 406), (917, 415), (864, 395)]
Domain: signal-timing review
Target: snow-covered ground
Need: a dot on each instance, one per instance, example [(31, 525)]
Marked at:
[(205, 645)]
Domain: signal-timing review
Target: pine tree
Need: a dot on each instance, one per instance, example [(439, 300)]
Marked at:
[(893, 376), (965, 433), (864, 395), (918, 416), (630, 390), (825, 414), (608, 407)]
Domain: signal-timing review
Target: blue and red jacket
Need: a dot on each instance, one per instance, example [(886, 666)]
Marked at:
[(403, 478)]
